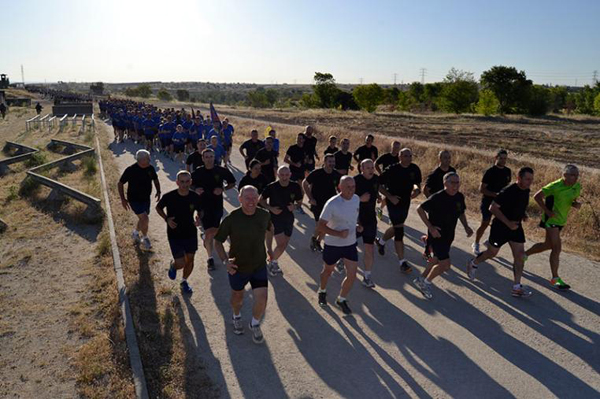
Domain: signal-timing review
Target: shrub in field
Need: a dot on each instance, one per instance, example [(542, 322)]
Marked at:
[(509, 85), (164, 95), (368, 97), (488, 103)]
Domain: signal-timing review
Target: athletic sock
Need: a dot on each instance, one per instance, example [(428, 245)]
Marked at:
[(402, 260), (322, 291), (341, 298), (237, 316), (183, 279), (382, 241), (473, 265), (427, 281), (367, 273), (255, 322), (516, 286)]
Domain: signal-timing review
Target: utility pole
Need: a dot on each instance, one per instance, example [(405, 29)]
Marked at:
[(595, 79), (395, 77), (423, 72), (22, 75)]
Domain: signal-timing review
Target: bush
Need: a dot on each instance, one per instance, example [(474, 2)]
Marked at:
[(538, 100), (143, 91), (597, 104), (89, 165), (39, 158), (368, 97), (183, 95), (28, 187), (164, 95), (488, 104)]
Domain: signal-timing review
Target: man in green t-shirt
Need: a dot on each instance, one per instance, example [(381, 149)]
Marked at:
[(556, 200), (246, 228)]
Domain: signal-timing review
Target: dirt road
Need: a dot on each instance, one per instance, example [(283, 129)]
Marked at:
[(471, 340)]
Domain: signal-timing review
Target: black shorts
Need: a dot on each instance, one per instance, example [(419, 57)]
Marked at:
[(398, 213), (182, 246), (283, 223), (211, 218), (369, 233), (440, 247), (316, 210), (485, 208), (140, 207), (332, 254), (500, 234), (257, 279)]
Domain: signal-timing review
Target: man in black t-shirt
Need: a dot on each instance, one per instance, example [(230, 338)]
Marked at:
[(343, 158), (254, 177), (320, 185), (435, 180), (194, 160), (267, 157), (209, 181), (440, 212), (399, 183), (332, 148), (367, 190), (495, 179), (280, 198), (181, 226), (509, 209), (389, 158), (139, 178), (295, 156), (310, 149), (367, 151), (251, 147)]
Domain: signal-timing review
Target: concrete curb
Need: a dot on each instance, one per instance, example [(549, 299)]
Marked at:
[(137, 368)]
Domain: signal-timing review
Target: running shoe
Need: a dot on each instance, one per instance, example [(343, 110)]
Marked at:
[(405, 268), (423, 287), (476, 249), (172, 271), (275, 269), (185, 287), (210, 264), (313, 244), (339, 266), (559, 284), (521, 292), (380, 247), (318, 246), (135, 236), (146, 243), (257, 335), (238, 327), (344, 306), (471, 270), (323, 299), (367, 282)]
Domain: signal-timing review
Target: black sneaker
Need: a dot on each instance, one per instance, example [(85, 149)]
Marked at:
[(318, 245), (380, 247), (344, 306), (405, 268), (313, 244), (210, 264), (323, 299)]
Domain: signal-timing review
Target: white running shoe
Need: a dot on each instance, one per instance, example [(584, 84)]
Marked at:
[(476, 249), (135, 236)]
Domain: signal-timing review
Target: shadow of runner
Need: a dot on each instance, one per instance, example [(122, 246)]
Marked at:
[(155, 342), (253, 364), (197, 351), (329, 354)]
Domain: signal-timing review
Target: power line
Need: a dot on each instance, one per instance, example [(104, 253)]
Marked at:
[(423, 72), (595, 79)]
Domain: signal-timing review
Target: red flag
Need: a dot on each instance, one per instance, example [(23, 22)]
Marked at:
[(213, 114)]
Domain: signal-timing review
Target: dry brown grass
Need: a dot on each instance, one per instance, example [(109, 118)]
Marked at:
[(582, 233), (37, 237)]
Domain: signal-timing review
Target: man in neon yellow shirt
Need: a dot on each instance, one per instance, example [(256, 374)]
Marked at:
[(556, 200)]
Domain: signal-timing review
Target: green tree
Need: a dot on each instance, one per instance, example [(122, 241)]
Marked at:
[(510, 86), (488, 104), (597, 104), (368, 97), (584, 99), (164, 95), (538, 100), (459, 91), (431, 94), (558, 98), (182, 95), (416, 91), (309, 100), (325, 90), (144, 91), (391, 95)]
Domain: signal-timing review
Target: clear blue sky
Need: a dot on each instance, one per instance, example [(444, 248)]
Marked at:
[(287, 41)]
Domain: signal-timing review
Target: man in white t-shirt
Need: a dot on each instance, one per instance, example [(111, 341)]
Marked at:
[(338, 222)]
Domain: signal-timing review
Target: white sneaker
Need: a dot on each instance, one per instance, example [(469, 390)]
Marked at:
[(257, 335), (135, 236), (476, 249), (471, 270), (146, 243), (275, 268)]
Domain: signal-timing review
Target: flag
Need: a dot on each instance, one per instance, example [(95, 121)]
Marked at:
[(213, 114), (267, 130)]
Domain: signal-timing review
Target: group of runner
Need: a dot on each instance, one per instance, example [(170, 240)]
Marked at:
[(345, 208)]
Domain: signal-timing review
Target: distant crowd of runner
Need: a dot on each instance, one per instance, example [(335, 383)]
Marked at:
[(346, 206)]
